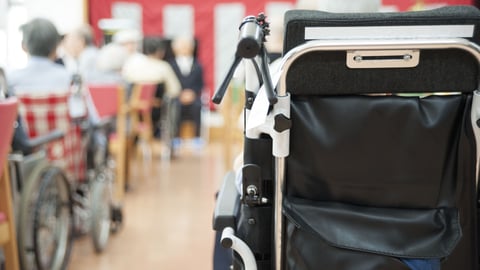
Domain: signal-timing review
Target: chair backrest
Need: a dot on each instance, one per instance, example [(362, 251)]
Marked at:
[(105, 99), (435, 73), (8, 114), (359, 157), (45, 113), (303, 25), (143, 95)]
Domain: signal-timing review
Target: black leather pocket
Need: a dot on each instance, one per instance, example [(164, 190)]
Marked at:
[(346, 237)]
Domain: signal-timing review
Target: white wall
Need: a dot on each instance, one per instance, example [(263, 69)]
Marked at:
[(65, 14)]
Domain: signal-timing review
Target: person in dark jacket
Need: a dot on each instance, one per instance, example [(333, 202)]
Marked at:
[(190, 74)]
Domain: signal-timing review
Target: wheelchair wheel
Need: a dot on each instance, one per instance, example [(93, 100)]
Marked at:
[(52, 222), (29, 195), (100, 211), (117, 218)]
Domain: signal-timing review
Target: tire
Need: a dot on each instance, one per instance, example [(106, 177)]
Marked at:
[(53, 221), (100, 211), (117, 218), (28, 198)]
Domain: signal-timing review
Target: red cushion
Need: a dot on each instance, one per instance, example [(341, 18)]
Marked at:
[(113, 136), (104, 98), (3, 218)]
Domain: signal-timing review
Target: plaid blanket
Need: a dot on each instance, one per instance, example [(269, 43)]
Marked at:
[(44, 113)]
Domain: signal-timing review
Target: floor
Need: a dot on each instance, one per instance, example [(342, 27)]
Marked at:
[(167, 216)]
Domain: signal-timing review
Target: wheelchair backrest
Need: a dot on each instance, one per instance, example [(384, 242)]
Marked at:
[(437, 70), (372, 143), (45, 113)]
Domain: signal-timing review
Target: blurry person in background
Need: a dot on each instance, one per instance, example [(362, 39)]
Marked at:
[(150, 68), (109, 64), (80, 51), (190, 74), (42, 74), (130, 39)]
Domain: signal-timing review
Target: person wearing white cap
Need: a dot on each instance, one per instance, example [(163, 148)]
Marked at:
[(129, 38)]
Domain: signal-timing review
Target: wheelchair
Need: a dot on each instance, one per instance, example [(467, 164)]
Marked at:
[(43, 206), (361, 150), (80, 161)]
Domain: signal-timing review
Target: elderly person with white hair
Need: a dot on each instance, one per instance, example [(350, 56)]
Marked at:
[(110, 61), (42, 74)]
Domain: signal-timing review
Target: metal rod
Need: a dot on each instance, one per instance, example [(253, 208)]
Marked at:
[(278, 215), (229, 240), (218, 96)]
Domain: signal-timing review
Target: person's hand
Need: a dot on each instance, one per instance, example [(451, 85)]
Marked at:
[(187, 96)]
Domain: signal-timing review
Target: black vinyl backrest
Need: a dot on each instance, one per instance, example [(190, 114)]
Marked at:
[(380, 162), (326, 73), (297, 20)]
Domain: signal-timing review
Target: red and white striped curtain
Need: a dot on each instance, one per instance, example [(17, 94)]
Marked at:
[(212, 22)]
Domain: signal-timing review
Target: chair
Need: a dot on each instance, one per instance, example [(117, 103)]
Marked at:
[(347, 166), (102, 97), (141, 102), (8, 240)]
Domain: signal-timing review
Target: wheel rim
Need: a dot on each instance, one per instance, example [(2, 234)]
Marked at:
[(52, 224), (101, 223)]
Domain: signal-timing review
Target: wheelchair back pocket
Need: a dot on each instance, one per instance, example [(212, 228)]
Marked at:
[(345, 236)]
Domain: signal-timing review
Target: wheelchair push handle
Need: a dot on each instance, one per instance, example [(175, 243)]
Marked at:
[(251, 38), (250, 44)]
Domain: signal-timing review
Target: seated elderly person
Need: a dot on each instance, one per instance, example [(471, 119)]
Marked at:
[(42, 74), (151, 68), (109, 64)]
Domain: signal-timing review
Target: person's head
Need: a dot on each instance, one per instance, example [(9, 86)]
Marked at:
[(154, 47), (86, 32), (111, 57), (183, 46), (40, 38), (77, 40), (129, 38)]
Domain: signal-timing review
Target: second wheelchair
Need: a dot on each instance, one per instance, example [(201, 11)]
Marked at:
[(71, 193)]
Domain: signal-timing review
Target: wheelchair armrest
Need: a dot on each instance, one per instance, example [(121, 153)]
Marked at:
[(44, 139), (102, 123), (228, 201)]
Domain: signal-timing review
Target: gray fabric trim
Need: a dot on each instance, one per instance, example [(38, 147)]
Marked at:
[(297, 20)]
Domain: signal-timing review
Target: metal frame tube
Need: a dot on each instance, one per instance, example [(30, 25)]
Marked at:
[(336, 45), (229, 239)]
